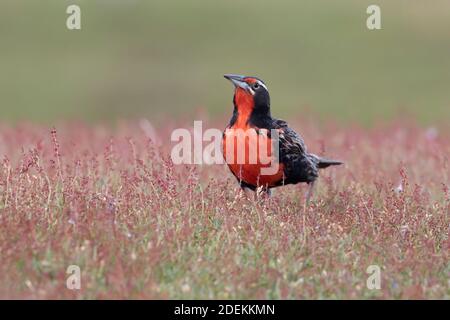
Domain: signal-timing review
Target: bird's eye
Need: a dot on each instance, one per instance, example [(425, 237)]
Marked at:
[(255, 86)]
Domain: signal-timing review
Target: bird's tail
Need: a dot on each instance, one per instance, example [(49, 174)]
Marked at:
[(325, 163)]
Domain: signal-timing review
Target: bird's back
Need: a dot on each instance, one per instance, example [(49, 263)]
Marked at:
[(299, 165)]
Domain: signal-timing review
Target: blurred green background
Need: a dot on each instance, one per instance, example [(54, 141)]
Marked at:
[(155, 58)]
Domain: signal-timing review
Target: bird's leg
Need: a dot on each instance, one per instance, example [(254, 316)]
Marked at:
[(269, 198), (259, 192), (262, 193), (246, 192), (309, 194)]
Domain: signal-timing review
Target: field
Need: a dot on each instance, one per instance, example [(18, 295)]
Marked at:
[(86, 177), (110, 201)]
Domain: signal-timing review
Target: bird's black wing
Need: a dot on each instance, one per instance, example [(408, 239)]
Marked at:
[(299, 165)]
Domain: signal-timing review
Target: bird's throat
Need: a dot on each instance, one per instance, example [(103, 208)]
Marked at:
[(244, 105)]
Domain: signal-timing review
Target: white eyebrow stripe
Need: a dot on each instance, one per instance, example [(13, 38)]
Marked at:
[(262, 84)]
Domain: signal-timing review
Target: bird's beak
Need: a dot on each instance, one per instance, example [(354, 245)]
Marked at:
[(238, 81)]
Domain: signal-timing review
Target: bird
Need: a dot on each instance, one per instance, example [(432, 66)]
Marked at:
[(252, 117)]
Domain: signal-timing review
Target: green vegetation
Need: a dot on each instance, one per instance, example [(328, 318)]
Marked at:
[(151, 58)]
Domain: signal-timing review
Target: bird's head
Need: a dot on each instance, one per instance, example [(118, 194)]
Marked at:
[(250, 93)]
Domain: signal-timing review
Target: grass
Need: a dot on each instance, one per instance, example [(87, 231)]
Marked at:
[(111, 202), (135, 58)]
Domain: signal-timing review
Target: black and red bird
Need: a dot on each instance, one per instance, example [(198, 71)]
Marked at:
[(252, 113)]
